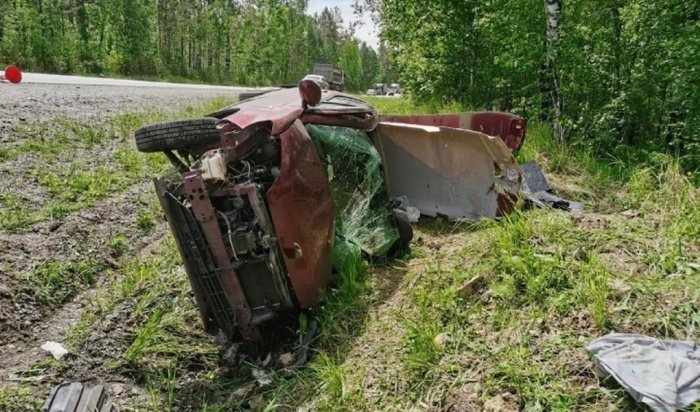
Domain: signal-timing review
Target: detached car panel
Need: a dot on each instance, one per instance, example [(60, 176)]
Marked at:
[(443, 171), (509, 127)]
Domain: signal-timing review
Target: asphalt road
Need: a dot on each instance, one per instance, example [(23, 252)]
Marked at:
[(42, 97), (42, 78)]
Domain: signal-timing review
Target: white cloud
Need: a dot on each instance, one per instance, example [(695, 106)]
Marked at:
[(366, 31)]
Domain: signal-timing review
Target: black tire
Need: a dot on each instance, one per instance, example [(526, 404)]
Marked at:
[(181, 134)]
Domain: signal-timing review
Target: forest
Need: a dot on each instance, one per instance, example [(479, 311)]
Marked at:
[(609, 75), (247, 42), (618, 78)]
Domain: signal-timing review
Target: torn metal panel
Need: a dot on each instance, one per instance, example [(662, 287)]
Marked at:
[(507, 126), (445, 171), (534, 179)]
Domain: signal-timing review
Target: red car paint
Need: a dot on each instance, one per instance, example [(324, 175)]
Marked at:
[(303, 212), (281, 111), (509, 127)]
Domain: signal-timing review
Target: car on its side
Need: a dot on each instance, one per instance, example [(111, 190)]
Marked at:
[(271, 192)]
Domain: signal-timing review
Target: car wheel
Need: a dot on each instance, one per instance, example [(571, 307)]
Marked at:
[(182, 134)]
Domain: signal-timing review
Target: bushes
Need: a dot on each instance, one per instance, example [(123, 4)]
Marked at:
[(627, 70)]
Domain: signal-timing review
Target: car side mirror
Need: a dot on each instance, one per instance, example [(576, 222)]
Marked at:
[(310, 93)]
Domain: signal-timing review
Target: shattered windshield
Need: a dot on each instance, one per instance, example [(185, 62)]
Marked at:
[(363, 208)]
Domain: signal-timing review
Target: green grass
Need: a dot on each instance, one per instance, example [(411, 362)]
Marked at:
[(68, 183), (406, 106), (404, 335), (55, 281), (18, 398)]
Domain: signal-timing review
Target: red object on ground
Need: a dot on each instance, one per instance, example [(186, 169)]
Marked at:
[(12, 74)]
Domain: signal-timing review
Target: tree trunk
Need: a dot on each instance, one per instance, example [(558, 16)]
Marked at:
[(553, 12)]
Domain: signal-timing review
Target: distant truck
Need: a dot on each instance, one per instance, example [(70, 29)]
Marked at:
[(380, 89), (335, 76), (394, 89)]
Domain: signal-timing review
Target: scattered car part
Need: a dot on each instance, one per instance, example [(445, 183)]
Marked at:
[(449, 172), (75, 397), (181, 134), (537, 190), (664, 374), (12, 74), (509, 127)]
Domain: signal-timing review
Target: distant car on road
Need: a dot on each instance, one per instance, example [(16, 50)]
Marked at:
[(320, 80), (371, 92), (394, 89)]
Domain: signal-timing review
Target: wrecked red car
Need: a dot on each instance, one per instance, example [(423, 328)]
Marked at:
[(272, 190)]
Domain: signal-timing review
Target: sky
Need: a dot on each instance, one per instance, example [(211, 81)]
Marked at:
[(366, 32)]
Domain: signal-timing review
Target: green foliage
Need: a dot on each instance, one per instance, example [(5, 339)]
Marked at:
[(627, 70), (53, 282), (264, 42), (351, 61)]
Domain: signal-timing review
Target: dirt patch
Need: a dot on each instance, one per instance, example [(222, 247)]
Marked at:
[(78, 236), (44, 255)]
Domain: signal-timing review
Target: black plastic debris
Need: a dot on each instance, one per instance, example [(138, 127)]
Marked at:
[(75, 397), (540, 193)]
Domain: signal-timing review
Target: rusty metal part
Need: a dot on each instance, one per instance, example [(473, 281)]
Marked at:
[(195, 255), (303, 213), (363, 121), (205, 214), (509, 127), (251, 191), (444, 171)]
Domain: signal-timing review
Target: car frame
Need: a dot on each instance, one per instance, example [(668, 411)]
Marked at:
[(252, 209)]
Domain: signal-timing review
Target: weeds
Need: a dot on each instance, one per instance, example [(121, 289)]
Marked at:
[(66, 184), (552, 283), (18, 398), (55, 281)]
